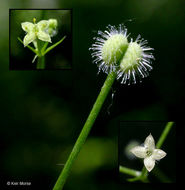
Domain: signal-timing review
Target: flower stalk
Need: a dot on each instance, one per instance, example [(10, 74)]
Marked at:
[(118, 58), (85, 130), (40, 62)]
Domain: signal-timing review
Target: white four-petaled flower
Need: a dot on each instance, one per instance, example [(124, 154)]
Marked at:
[(148, 152), (35, 31)]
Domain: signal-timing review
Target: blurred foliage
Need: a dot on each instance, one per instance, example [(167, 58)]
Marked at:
[(42, 113)]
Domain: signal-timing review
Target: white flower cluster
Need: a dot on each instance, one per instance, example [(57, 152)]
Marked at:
[(43, 30)]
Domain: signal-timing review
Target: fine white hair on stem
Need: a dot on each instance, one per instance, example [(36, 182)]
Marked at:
[(111, 51)]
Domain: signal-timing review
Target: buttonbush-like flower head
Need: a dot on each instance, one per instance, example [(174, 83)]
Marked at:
[(109, 48), (35, 30), (148, 152), (136, 62), (111, 51)]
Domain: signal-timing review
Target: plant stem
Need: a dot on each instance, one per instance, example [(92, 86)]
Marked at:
[(41, 59), (40, 62), (129, 171), (144, 174), (164, 134), (85, 131)]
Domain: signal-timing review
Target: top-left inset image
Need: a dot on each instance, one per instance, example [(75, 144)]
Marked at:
[(40, 39)]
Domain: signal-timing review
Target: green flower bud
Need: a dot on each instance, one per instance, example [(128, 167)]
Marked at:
[(52, 27)]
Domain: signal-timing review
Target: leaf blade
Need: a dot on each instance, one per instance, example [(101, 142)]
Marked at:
[(28, 46), (53, 46)]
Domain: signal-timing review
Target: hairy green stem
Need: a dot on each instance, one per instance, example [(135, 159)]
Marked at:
[(85, 130)]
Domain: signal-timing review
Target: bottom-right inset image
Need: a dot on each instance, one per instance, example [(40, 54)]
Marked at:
[(147, 152)]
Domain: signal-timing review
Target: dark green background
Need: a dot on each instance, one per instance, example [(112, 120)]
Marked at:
[(42, 112)]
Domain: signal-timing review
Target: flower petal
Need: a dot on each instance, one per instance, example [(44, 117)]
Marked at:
[(139, 151), (30, 37), (43, 36), (149, 163), (158, 154), (35, 44), (43, 25), (27, 26), (149, 143)]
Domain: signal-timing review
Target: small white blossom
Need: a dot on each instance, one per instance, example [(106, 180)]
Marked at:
[(148, 152), (34, 31)]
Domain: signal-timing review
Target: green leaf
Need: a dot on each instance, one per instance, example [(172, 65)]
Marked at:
[(53, 46), (28, 46)]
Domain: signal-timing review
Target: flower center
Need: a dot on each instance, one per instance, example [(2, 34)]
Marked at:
[(36, 29), (148, 153)]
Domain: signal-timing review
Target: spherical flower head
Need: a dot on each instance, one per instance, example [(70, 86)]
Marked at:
[(136, 63), (148, 152), (132, 56), (114, 48), (112, 52), (109, 48)]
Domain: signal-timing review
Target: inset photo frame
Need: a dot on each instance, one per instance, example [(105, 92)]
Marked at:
[(40, 39), (147, 152)]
